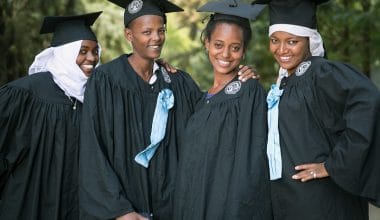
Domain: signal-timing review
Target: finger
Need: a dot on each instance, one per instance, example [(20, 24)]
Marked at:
[(170, 68), (310, 176), (305, 166), (305, 175), (246, 75)]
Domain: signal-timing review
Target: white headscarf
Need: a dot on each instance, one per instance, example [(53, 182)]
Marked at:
[(315, 39), (60, 61)]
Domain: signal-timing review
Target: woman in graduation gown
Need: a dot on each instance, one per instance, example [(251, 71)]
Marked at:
[(132, 103), (40, 124), (223, 171), (324, 125)]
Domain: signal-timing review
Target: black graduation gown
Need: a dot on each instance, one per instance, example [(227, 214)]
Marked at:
[(329, 114), (39, 139), (118, 114), (223, 170)]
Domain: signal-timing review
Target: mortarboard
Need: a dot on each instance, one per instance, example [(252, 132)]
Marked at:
[(295, 12), (234, 8), (67, 29), (137, 8)]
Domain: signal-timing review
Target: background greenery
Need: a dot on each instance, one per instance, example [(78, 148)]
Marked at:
[(350, 30)]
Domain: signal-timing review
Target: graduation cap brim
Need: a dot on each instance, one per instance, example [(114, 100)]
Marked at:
[(51, 22), (137, 8), (164, 5), (68, 29), (293, 12), (239, 9)]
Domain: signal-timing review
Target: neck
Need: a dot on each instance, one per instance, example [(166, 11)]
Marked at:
[(220, 81), (143, 67)]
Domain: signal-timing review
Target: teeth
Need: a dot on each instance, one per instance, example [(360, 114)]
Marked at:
[(155, 47), (88, 66), (224, 63), (284, 59)]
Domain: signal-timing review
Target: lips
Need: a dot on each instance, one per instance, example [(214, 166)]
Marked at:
[(223, 63), (284, 58), (155, 47), (87, 67)]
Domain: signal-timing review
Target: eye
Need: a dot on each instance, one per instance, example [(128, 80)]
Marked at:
[(83, 51), (292, 42), (273, 40), (218, 45), (235, 48), (146, 32), (95, 52), (162, 31)]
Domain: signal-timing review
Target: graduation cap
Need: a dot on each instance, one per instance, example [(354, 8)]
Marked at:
[(295, 12), (67, 29), (137, 8), (228, 9)]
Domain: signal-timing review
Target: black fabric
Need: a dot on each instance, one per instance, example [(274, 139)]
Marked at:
[(223, 171), (137, 8), (233, 9), (295, 12), (330, 114), (118, 112), (67, 29), (39, 142)]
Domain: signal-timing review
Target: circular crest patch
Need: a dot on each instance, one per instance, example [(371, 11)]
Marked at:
[(135, 6), (302, 68), (233, 88)]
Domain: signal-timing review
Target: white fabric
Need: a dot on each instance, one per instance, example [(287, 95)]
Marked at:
[(153, 79), (315, 39), (281, 74), (61, 63)]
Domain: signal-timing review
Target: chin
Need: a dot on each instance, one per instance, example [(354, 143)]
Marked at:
[(155, 55)]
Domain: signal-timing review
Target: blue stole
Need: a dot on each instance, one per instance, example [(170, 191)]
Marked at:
[(165, 101)]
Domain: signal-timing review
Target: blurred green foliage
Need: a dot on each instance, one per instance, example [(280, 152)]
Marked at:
[(349, 28)]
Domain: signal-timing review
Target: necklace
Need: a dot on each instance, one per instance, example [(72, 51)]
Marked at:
[(74, 103)]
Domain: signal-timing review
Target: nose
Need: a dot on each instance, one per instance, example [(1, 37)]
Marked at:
[(91, 57), (226, 52), (282, 48), (156, 36)]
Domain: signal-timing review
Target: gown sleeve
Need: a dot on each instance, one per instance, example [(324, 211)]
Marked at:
[(354, 129), (101, 193), (13, 148)]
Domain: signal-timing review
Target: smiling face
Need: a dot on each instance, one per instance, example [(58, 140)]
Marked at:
[(147, 36), (88, 56), (225, 48), (289, 50)]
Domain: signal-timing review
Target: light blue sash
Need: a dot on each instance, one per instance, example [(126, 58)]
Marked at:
[(273, 145), (165, 101)]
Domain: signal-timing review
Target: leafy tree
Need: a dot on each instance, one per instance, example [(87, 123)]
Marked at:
[(20, 22)]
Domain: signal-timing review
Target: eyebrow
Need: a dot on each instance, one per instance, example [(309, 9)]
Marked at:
[(84, 46)]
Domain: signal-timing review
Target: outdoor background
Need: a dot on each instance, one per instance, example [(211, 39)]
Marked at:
[(350, 29)]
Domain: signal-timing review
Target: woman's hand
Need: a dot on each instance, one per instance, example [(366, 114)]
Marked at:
[(247, 72), (168, 67), (132, 216), (310, 171)]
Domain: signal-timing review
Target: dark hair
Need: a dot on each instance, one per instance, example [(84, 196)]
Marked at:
[(216, 19)]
